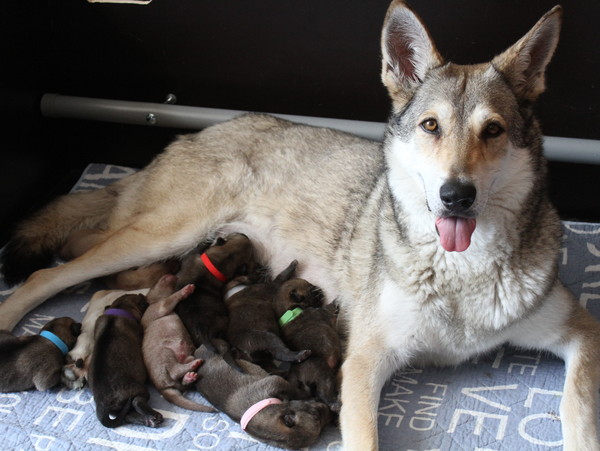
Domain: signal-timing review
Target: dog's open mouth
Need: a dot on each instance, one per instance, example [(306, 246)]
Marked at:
[(455, 232)]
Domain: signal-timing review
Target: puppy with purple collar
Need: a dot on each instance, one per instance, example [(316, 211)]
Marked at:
[(117, 374), (36, 361)]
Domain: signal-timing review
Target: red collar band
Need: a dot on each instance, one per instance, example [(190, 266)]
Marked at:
[(213, 269)]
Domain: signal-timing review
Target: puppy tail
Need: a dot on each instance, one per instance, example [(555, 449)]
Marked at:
[(37, 239), (103, 413), (174, 396)]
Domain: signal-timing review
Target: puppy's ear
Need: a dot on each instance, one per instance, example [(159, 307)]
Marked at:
[(76, 329), (408, 52), (524, 63)]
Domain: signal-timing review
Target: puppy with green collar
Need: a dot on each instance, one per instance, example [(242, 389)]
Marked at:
[(36, 361)]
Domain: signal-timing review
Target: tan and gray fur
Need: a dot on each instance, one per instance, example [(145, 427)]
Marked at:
[(167, 347), (363, 218)]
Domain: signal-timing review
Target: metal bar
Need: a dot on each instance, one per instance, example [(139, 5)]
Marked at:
[(572, 150)]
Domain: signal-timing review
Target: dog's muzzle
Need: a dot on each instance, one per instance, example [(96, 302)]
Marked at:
[(456, 226), (458, 197)]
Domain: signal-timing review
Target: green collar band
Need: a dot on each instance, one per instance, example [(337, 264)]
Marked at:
[(289, 316)]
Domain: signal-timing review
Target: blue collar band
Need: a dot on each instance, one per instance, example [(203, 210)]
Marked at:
[(57, 341)]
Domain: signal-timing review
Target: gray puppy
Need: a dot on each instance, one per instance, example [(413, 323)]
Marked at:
[(36, 361), (167, 346), (263, 404), (117, 375), (253, 328)]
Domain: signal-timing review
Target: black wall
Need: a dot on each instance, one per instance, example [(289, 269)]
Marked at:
[(308, 57)]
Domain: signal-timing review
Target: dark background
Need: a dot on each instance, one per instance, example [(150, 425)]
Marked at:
[(305, 57)]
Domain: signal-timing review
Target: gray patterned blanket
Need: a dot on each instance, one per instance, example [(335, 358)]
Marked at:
[(506, 400)]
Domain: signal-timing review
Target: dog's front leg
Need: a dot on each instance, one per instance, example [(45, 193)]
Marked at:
[(366, 368), (579, 405), (566, 329)]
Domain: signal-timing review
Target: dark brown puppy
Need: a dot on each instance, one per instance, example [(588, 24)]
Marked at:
[(310, 328), (263, 404), (117, 375), (167, 347), (253, 330), (36, 361), (203, 313)]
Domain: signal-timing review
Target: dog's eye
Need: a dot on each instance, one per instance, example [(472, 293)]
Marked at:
[(492, 130), (288, 420), (430, 126)]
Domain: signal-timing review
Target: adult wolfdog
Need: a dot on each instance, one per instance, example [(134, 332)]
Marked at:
[(439, 244)]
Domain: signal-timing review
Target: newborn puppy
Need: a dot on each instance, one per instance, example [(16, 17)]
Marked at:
[(306, 325), (117, 375), (167, 347), (35, 361), (203, 313), (74, 373), (263, 404), (253, 328)]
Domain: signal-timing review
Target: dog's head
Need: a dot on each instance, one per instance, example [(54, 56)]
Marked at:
[(291, 424), (297, 293), (65, 328), (462, 139), (232, 255)]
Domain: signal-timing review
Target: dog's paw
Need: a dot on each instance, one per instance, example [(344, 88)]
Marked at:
[(303, 355), (154, 420), (73, 377), (189, 378)]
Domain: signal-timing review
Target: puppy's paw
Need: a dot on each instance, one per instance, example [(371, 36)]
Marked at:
[(73, 377), (303, 355), (189, 378), (154, 420)]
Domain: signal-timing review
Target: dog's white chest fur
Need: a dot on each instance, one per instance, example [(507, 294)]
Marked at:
[(458, 307)]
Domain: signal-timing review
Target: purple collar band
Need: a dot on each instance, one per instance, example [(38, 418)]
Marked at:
[(120, 312)]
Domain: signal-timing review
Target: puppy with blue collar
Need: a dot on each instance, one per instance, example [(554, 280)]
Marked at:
[(36, 361)]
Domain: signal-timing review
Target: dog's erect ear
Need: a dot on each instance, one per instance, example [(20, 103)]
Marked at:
[(525, 62), (408, 52)]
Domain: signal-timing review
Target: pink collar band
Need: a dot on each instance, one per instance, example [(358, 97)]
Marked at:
[(255, 408)]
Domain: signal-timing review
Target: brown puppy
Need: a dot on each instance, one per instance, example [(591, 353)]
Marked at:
[(253, 328), (310, 328), (263, 404), (35, 361), (203, 312), (167, 346), (117, 375)]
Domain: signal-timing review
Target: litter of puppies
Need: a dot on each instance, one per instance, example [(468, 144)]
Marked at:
[(262, 350)]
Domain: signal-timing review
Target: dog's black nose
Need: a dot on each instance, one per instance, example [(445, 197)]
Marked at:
[(457, 196)]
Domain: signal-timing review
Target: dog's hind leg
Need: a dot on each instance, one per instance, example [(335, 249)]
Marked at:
[(143, 414), (152, 237), (577, 340)]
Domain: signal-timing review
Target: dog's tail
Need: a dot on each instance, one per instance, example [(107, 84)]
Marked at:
[(174, 396), (37, 239), (103, 412)]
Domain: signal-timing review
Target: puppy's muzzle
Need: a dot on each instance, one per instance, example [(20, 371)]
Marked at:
[(458, 197)]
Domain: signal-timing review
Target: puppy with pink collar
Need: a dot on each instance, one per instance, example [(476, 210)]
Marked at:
[(266, 406)]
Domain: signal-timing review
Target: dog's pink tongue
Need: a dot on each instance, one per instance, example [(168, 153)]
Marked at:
[(455, 233)]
